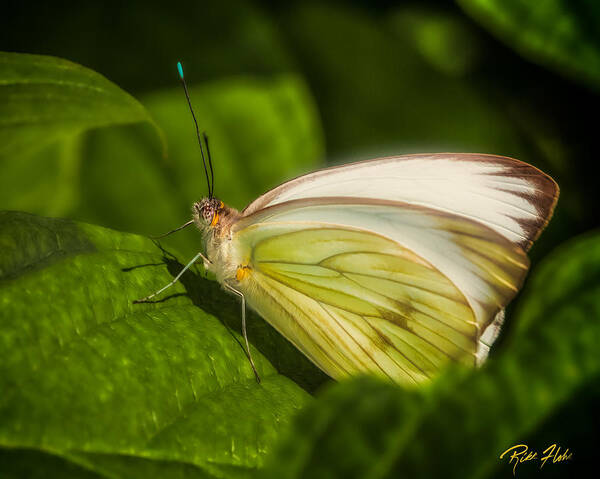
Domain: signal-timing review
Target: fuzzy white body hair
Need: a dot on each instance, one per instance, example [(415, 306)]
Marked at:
[(224, 254)]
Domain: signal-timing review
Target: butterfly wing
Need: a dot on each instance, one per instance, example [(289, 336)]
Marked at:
[(514, 199), (510, 197), (364, 285)]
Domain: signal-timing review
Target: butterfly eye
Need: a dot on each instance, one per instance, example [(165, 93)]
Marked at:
[(207, 214)]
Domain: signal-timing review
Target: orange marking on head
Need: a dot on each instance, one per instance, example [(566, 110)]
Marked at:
[(242, 272), (215, 219)]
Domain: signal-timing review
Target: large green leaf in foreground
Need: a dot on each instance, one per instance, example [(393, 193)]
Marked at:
[(461, 423), (95, 386)]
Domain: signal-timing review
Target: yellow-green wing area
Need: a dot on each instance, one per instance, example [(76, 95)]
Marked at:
[(354, 301)]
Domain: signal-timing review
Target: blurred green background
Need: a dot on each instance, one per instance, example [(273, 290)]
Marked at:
[(285, 87)]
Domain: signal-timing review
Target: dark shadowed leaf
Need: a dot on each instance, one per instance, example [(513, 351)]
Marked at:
[(562, 35), (95, 386)]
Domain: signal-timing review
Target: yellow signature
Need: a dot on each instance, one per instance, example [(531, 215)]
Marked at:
[(521, 453)]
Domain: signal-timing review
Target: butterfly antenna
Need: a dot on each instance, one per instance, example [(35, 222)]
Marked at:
[(187, 96), (191, 222), (212, 174)]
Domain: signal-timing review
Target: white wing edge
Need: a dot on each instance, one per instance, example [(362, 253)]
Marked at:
[(510, 196)]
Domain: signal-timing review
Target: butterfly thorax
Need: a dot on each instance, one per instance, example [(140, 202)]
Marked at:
[(215, 219)]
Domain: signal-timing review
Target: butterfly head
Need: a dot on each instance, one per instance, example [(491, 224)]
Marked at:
[(207, 211)]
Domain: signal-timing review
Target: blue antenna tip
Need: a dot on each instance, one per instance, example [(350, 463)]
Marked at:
[(180, 69)]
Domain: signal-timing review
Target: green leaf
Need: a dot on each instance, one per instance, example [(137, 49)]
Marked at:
[(96, 386), (45, 103), (459, 426), (559, 34)]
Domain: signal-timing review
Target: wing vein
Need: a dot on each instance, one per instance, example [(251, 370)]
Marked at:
[(395, 300), (299, 324), (357, 343)]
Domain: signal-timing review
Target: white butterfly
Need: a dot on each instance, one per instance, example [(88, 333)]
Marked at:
[(394, 266)]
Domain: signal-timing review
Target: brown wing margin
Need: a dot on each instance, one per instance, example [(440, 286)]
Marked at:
[(545, 198)]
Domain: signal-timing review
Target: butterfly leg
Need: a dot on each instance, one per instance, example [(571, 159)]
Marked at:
[(241, 295), (187, 266)]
